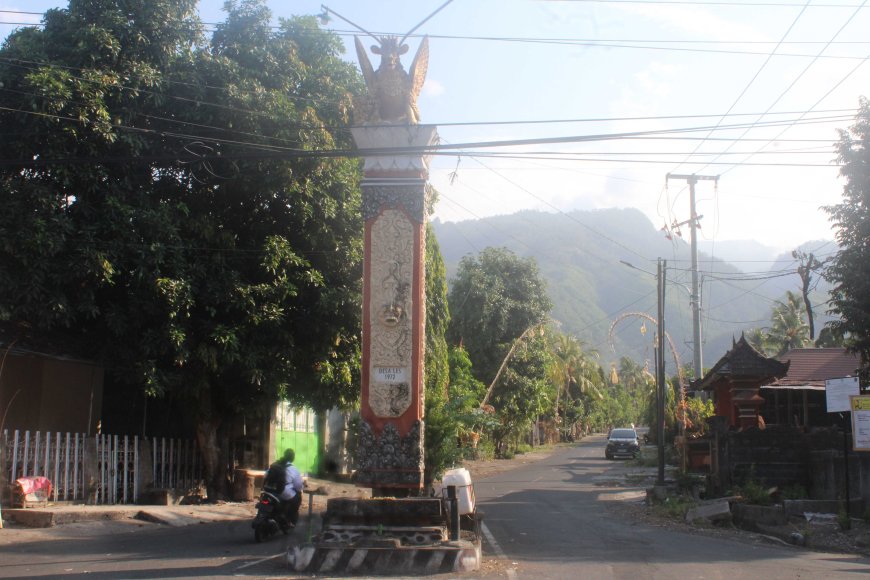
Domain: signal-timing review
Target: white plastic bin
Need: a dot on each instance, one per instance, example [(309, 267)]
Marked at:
[(464, 489)]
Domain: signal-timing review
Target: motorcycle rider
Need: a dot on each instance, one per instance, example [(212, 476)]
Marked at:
[(284, 475)]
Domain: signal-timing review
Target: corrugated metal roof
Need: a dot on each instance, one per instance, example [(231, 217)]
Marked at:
[(810, 367)]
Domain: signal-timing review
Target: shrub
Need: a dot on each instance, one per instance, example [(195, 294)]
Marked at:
[(795, 491), (754, 493), (843, 519)]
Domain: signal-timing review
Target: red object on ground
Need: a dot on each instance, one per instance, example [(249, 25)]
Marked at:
[(34, 488)]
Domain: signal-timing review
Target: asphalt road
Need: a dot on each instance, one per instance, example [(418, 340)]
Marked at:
[(548, 519), (129, 549)]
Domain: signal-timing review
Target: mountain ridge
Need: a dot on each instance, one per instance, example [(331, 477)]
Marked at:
[(605, 302)]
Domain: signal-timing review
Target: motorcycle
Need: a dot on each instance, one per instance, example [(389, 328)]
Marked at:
[(270, 517)]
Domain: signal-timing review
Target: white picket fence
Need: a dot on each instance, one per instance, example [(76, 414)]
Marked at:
[(115, 472), (57, 456), (176, 463)]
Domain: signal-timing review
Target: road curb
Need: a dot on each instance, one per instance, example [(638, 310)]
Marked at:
[(37, 518)]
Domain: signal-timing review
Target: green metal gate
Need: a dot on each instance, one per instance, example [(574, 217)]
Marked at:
[(296, 428)]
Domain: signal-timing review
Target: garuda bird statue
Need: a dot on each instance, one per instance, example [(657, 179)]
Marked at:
[(392, 92)]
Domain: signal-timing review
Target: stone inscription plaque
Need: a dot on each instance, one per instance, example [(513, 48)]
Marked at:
[(389, 375)]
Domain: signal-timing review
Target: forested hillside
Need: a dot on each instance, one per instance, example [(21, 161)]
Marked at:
[(581, 253)]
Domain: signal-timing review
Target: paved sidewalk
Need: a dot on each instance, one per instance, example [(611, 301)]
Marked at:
[(172, 515), (317, 492)]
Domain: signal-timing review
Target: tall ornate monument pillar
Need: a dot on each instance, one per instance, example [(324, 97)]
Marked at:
[(390, 453), (389, 456)]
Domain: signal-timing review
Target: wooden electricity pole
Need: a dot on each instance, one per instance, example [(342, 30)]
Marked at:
[(698, 362)]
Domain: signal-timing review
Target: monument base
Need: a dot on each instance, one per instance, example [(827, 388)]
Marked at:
[(390, 461), (389, 536)]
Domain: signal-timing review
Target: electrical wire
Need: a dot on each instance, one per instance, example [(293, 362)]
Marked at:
[(803, 72), (755, 76), (845, 114)]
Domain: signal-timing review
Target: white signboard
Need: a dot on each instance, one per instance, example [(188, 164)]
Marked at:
[(391, 375), (838, 391), (860, 406)]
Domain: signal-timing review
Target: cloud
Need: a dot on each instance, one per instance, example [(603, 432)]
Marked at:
[(433, 88), (694, 19)]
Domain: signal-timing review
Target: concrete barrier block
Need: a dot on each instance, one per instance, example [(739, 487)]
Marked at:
[(713, 512), (750, 516)]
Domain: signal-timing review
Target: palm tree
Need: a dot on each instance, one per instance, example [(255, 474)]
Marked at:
[(573, 366), (788, 328), (757, 338)]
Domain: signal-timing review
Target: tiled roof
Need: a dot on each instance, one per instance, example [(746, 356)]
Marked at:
[(743, 361), (812, 366)]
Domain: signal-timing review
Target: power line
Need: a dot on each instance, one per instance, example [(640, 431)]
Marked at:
[(708, 3), (804, 71), (442, 149), (753, 79), (822, 98), (31, 65), (641, 44)]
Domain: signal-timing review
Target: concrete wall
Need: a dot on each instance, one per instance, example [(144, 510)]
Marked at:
[(336, 458), (72, 397), (49, 394), (21, 392), (776, 456), (785, 456)]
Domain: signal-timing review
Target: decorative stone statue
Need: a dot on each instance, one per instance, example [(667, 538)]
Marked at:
[(392, 92)]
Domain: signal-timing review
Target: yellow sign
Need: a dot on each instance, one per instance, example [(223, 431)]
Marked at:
[(860, 405)]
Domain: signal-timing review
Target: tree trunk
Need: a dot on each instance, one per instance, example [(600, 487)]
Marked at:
[(805, 271), (214, 472)]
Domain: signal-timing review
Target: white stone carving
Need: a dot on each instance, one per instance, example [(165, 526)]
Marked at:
[(390, 311), (393, 140)]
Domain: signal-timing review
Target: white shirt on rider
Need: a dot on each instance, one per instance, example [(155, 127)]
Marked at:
[(294, 483)]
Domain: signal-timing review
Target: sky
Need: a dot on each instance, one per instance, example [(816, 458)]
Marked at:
[(751, 91)]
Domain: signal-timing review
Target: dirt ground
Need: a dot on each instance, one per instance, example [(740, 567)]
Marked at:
[(822, 534)]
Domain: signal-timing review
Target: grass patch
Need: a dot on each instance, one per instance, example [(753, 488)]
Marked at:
[(648, 457), (674, 507)]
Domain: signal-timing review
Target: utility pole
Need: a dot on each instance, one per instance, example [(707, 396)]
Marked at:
[(698, 361), (661, 380)]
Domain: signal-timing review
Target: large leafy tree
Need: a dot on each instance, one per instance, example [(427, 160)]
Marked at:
[(523, 394), (495, 298), (850, 269), (149, 210), (441, 425), (498, 306)]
